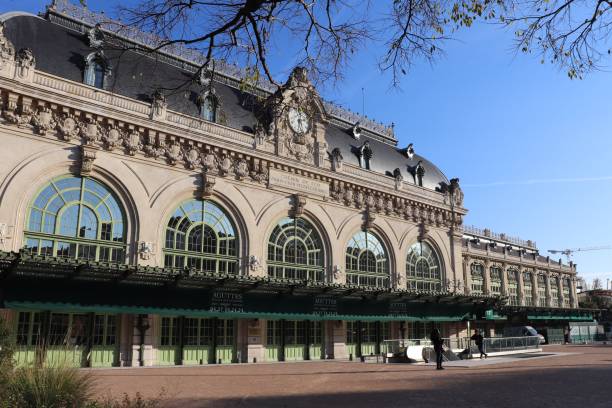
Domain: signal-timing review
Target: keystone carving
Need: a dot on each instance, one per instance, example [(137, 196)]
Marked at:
[(88, 156)]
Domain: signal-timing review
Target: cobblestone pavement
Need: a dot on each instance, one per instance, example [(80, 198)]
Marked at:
[(570, 376)]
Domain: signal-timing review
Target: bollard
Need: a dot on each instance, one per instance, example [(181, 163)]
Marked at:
[(254, 359), (362, 359), (351, 357), (219, 362)]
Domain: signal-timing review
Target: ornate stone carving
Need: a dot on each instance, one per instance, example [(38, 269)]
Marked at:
[(254, 264), (146, 250), (132, 142), (225, 165), (336, 159), (337, 273), (241, 168), (208, 183), (418, 173), (348, 196), (356, 131), (25, 63), (335, 191), (68, 126), (95, 36), (456, 192), (370, 201), (369, 219), (174, 152), (399, 179), (43, 121), (7, 50), (298, 202), (88, 156), (89, 131), (423, 231), (210, 162), (112, 136), (260, 174), (192, 158), (152, 147), (359, 199), (158, 105)]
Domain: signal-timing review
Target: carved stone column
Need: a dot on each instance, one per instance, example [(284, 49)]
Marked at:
[(534, 288), (573, 295), (467, 275), (504, 279)]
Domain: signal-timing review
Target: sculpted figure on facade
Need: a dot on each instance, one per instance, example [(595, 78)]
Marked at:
[(225, 165), (158, 105), (260, 173), (241, 168), (336, 159), (210, 163), (359, 199), (254, 264), (152, 147), (146, 250), (89, 131), (456, 192), (25, 62), (7, 50), (192, 158), (399, 179), (95, 36)]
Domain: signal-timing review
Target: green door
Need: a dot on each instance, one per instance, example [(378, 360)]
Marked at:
[(273, 340), (67, 342), (368, 338), (168, 349), (226, 342), (295, 340), (317, 339), (198, 341), (27, 337), (105, 344)]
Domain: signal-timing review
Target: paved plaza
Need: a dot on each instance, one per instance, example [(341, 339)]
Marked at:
[(561, 376)]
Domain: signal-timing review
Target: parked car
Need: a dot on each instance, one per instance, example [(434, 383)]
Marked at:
[(523, 331)]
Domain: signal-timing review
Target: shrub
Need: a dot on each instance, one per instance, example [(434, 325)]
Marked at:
[(6, 358), (138, 401), (61, 387)]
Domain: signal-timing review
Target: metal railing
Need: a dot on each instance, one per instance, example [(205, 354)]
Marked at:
[(501, 344)]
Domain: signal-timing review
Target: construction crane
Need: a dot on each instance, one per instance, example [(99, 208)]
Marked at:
[(569, 252)]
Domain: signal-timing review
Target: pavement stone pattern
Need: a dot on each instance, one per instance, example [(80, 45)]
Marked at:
[(564, 376)]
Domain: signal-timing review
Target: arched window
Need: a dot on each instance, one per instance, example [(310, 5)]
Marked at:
[(527, 289), (201, 236), (208, 107), (367, 261), (96, 69), (423, 268), (76, 217), (295, 251), (513, 299), (542, 290), (477, 275)]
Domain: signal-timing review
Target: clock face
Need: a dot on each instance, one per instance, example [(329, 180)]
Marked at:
[(299, 121)]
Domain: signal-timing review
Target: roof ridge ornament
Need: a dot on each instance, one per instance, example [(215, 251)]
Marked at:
[(408, 151)]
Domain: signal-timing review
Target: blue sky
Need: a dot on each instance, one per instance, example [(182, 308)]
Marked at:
[(531, 147)]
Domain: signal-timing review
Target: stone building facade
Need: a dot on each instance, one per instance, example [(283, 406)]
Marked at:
[(153, 213)]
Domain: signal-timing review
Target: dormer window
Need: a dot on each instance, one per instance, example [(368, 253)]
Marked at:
[(209, 104), (96, 70), (365, 155)]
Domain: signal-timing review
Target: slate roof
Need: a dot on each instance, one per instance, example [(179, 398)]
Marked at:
[(61, 51)]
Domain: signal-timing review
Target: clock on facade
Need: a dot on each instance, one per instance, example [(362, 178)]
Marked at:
[(298, 120)]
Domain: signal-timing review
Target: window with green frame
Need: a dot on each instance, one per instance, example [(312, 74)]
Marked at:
[(76, 217), (477, 275), (295, 332), (367, 261), (496, 280), (169, 331), (295, 251), (28, 329), (225, 332), (105, 330), (554, 292), (198, 331), (351, 332), (273, 333), (201, 236), (423, 268)]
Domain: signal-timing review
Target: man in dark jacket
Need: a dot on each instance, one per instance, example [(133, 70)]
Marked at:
[(437, 342), (479, 340)]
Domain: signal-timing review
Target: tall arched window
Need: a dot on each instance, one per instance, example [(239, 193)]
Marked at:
[(96, 69), (76, 217), (367, 261), (477, 275), (542, 290), (423, 268), (295, 251), (527, 289), (201, 236), (513, 299)]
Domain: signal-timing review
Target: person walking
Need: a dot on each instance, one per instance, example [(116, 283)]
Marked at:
[(479, 340), (437, 342)]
